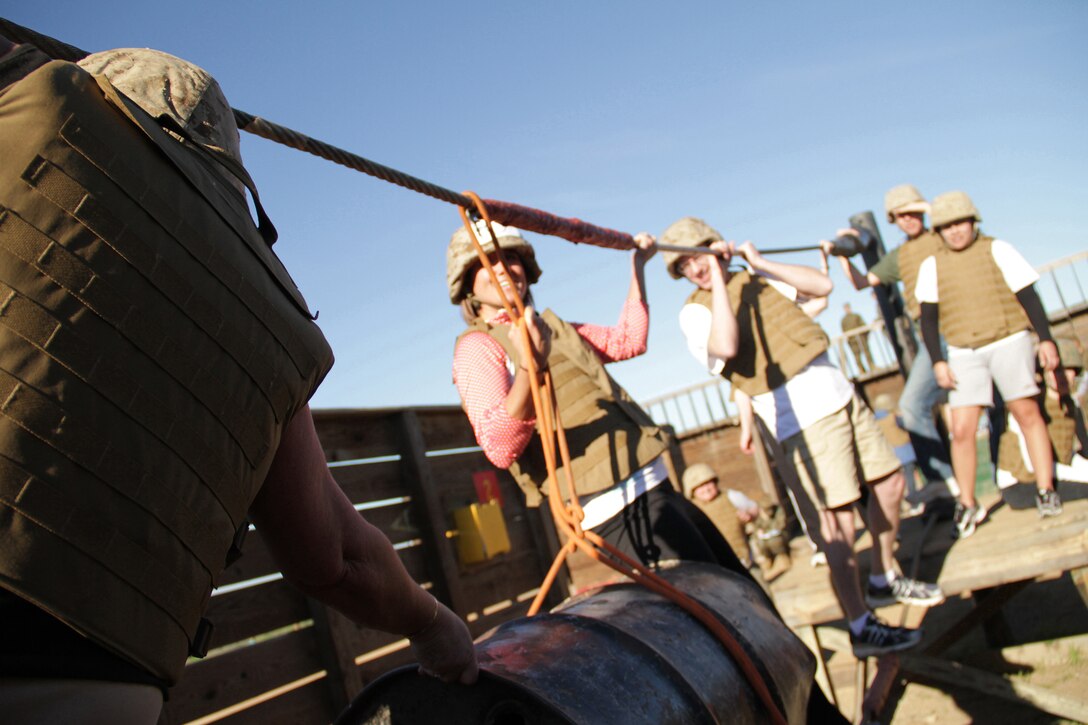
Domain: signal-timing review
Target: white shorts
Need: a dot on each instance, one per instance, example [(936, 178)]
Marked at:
[(1008, 363)]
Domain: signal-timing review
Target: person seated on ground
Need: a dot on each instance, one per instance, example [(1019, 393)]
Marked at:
[(701, 486), (1065, 426), (979, 293), (765, 526), (746, 327)]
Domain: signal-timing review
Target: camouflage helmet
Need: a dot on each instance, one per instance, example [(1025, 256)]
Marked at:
[(461, 255), (696, 475), (902, 199), (953, 206), (164, 85), (1070, 353), (686, 232)]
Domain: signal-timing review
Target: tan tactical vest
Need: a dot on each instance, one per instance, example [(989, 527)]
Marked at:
[(724, 516), (911, 254), (1061, 427), (776, 338), (609, 435), (152, 349), (976, 305)]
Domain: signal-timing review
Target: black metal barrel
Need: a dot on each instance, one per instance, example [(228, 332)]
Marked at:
[(620, 654)]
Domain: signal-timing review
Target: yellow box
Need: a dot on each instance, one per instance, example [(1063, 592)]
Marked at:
[(481, 532)]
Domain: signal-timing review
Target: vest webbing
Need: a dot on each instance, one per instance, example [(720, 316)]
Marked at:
[(152, 348), (976, 305), (911, 255), (776, 338), (608, 434)]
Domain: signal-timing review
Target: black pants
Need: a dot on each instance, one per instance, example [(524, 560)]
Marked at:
[(661, 524)]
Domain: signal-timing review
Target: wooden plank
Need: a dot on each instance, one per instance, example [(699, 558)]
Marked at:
[(485, 623), (305, 705), (213, 684), (500, 579), (369, 671), (351, 434), (399, 522), (370, 481), (946, 672), (254, 611), (257, 560), (446, 428), (418, 561), (1027, 555), (364, 433)]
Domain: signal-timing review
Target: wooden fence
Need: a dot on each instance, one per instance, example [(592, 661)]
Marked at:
[(280, 657)]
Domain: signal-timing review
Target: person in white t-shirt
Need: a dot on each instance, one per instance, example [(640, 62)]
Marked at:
[(979, 293), (747, 327)]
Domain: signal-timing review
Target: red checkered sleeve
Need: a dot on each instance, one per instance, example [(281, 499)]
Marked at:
[(483, 378), (624, 341)]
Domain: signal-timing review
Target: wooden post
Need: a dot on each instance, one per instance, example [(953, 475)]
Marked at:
[(337, 639), (811, 637), (420, 481)]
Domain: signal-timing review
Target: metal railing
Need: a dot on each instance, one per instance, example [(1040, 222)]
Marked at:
[(708, 405), (1060, 286)]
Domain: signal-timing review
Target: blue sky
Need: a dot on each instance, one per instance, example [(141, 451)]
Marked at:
[(773, 121)]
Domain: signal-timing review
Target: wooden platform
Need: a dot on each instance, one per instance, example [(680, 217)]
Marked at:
[(1010, 546), (1008, 552)]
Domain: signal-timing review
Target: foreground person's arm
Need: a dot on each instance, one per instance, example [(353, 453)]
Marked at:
[(329, 551)]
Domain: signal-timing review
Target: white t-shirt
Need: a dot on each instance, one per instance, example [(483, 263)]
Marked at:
[(815, 392), (1014, 268)]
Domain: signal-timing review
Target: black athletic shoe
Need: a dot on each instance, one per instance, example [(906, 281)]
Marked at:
[(878, 638)]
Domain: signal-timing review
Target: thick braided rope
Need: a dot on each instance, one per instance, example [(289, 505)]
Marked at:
[(534, 220)]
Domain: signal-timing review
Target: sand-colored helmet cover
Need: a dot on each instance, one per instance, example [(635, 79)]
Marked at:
[(461, 255), (696, 475), (902, 199), (884, 402), (164, 85), (952, 207), (686, 232)]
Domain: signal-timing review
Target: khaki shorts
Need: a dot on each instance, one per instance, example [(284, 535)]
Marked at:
[(1008, 363), (834, 455)]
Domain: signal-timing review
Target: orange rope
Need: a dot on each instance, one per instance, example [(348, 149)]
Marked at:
[(568, 518)]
